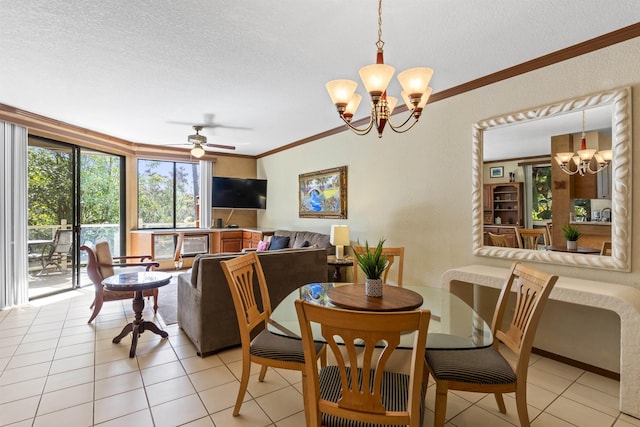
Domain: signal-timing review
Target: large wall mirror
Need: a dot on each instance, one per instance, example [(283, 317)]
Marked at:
[(550, 122)]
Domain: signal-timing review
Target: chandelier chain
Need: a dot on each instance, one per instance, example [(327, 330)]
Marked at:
[(379, 43)]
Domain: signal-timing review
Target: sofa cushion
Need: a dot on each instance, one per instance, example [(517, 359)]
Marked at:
[(103, 255), (279, 242), (297, 244)]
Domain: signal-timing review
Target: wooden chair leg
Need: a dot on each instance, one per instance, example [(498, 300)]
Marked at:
[(244, 382), (305, 401), (500, 402), (521, 403), (97, 306), (441, 403), (263, 372)]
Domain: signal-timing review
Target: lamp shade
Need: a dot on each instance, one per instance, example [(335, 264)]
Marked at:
[(376, 77), (340, 235), (415, 80), (341, 91), (353, 104)]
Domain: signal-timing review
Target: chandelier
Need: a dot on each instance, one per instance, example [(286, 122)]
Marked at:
[(582, 158), (376, 77)]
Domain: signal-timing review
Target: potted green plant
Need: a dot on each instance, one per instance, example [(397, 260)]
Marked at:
[(572, 234), (372, 263)]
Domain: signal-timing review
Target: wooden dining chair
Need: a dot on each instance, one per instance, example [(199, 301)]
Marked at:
[(606, 248), (499, 240), (392, 254), (549, 227), (358, 390), (253, 312), (529, 238), (101, 264), (485, 370)]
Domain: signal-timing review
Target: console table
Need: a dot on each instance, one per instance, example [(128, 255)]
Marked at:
[(621, 299)]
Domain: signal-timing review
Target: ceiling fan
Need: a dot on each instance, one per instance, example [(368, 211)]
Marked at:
[(200, 141)]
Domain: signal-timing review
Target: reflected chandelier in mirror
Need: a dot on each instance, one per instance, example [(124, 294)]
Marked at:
[(620, 101)]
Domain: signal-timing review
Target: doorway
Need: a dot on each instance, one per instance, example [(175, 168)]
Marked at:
[(75, 196)]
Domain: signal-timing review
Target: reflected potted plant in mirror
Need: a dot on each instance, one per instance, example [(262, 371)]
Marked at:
[(572, 234), (372, 263)]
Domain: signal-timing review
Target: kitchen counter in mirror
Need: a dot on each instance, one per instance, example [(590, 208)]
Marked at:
[(597, 223)]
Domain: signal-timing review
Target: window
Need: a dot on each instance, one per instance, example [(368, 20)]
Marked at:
[(541, 193), (167, 194)]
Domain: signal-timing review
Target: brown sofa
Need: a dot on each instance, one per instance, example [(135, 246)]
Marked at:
[(298, 238), (205, 308)]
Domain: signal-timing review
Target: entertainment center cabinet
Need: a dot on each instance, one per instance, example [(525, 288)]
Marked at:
[(161, 244)]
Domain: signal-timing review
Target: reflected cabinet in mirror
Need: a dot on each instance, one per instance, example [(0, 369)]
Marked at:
[(532, 183)]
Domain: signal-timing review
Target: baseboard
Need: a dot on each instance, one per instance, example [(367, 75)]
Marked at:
[(577, 364)]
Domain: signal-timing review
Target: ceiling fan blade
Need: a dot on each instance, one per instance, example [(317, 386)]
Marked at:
[(208, 123), (224, 147)]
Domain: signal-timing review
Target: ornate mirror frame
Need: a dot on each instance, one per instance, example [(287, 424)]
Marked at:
[(620, 259)]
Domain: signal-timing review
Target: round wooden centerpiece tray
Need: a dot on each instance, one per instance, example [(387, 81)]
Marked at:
[(353, 297)]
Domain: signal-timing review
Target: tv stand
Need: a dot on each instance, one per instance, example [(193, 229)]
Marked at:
[(231, 239)]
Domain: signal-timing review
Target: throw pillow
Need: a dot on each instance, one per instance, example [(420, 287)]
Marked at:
[(263, 245), (279, 242), (300, 244)]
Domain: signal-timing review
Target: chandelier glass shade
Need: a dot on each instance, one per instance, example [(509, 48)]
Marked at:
[(376, 78), (583, 158)]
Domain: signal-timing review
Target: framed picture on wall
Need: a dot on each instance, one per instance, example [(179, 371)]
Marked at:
[(496, 172), (323, 194)]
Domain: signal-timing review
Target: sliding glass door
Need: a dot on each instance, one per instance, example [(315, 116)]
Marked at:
[(51, 214), (75, 196)]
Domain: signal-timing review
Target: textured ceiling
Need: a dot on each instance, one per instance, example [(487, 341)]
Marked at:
[(131, 69)]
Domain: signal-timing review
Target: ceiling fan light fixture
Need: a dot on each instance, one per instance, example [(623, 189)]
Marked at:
[(197, 151), (197, 139)]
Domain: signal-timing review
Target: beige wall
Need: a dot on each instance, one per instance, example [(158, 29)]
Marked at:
[(414, 189)]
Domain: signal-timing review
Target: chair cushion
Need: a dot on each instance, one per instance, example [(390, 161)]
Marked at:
[(394, 394), (477, 366), (103, 255), (278, 347)]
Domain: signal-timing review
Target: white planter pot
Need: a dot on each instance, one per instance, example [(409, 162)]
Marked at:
[(373, 287), (572, 245)]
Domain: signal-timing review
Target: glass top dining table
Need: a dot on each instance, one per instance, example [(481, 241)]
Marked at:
[(453, 325)]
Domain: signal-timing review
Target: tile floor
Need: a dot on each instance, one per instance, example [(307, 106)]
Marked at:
[(58, 370)]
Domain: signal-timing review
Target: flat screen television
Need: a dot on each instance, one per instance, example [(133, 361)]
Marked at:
[(239, 193)]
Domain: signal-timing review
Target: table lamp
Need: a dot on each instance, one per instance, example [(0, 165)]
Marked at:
[(339, 238)]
